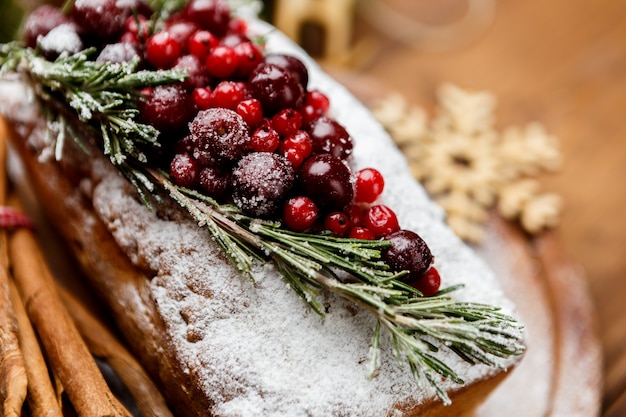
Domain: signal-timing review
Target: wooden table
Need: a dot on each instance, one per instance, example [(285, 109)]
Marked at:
[(561, 62)]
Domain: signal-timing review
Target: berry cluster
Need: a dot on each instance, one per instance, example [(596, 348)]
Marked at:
[(243, 126)]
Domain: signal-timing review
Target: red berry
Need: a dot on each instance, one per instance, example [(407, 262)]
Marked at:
[(287, 122), (362, 233), (296, 147), (276, 88), (355, 215), (264, 139), (138, 25), (369, 185), (248, 58), (201, 43), (221, 62), (162, 50), (228, 94), (214, 181), (337, 222), (237, 26), (213, 15), (251, 111), (182, 31), (300, 213), (428, 284), (330, 137), (310, 113), (408, 252), (381, 220), (202, 97), (327, 180), (184, 170), (318, 100)]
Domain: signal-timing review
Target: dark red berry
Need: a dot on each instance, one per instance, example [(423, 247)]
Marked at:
[(184, 170), (162, 50), (310, 113), (213, 15), (202, 97), (168, 107), (264, 139), (182, 31), (41, 21), (337, 222), (408, 252), (194, 68), (292, 65), (228, 94), (102, 20), (330, 137), (215, 181), (201, 43), (362, 233), (138, 26), (59, 40), (318, 100), (355, 214), (368, 186), (251, 111), (275, 88), (429, 283), (296, 147), (327, 180), (248, 58), (118, 53), (261, 182), (287, 122), (219, 136), (221, 62), (300, 213), (381, 220)]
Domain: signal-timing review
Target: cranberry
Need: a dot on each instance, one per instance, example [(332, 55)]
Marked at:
[(213, 15), (101, 19), (184, 170), (310, 113), (381, 220), (337, 222), (300, 213), (368, 186), (362, 233), (167, 107), (215, 182), (248, 58), (139, 26), (221, 62), (59, 40), (251, 111), (118, 53), (201, 43), (41, 21), (292, 65), (330, 137), (296, 147), (182, 31), (196, 73), (261, 182), (275, 88), (264, 139), (162, 50), (228, 94), (429, 283), (219, 136), (202, 97), (318, 100), (408, 252), (327, 180), (237, 25), (355, 214), (287, 122)]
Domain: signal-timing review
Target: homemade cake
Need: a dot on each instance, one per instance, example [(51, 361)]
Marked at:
[(219, 343)]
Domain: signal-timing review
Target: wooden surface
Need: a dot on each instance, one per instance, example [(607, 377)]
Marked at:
[(563, 63)]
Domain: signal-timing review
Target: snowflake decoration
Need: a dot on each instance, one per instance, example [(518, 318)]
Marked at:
[(468, 167)]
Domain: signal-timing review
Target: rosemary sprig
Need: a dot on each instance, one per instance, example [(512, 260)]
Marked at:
[(104, 98)]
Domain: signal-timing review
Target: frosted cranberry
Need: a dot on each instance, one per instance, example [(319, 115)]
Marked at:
[(429, 283), (228, 94), (381, 220), (337, 222), (213, 15), (167, 108), (182, 31), (219, 136), (183, 145), (261, 182), (237, 25), (264, 139), (248, 58), (184, 170), (41, 21), (408, 252), (201, 43), (234, 39), (300, 213), (215, 181), (292, 65), (118, 53), (318, 100), (196, 73), (162, 50), (139, 26), (362, 233), (369, 185), (59, 40), (275, 88), (327, 180), (287, 121), (202, 97), (102, 20), (251, 111), (330, 137), (221, 62), (296, 147)]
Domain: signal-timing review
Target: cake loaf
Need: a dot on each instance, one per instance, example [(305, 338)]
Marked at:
[(218, 343)]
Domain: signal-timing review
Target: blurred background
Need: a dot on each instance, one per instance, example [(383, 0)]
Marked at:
[(559, 62)]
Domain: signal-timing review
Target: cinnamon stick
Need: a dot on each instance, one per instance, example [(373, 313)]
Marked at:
[(68, 355), (42, 399), (13, 380)]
